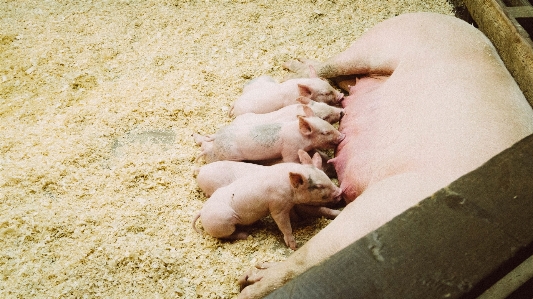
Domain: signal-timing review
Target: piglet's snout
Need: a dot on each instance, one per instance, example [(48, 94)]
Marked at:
[(333, 142), (341, 138), (337, 195), (340, 96)]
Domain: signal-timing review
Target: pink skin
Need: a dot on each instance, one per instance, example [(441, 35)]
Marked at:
[(264, 94), (307, 107), (218, 174), (430, 100), (213, 176), (269, 141), (274, 190)]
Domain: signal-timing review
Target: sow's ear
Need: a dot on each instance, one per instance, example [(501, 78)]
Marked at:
[(296, 179)]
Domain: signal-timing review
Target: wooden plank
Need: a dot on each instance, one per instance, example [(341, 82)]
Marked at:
[(454, 244), (518, 282), (520, 11), (513, 43)]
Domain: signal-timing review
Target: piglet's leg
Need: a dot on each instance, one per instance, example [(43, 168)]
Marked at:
[(306, 211), (237, 235), (221, 223), (283, 221)]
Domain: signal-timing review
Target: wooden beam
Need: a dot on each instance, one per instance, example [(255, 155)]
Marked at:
[(501, 24)]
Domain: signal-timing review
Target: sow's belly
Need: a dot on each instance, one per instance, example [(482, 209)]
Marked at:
[(370, 149)]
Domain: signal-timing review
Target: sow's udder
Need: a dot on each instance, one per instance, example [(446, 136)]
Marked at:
[(345, 170), (350, 154)]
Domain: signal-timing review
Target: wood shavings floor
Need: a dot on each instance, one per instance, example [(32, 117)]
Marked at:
[(98, 102)]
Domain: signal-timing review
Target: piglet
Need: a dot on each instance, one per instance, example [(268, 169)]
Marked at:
[(213, 176), (264, 94), (269, 141), (273, 190), (306, 107)]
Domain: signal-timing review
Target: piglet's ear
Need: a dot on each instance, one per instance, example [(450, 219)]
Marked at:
[(312, 72), (296, 179), (308, 111), (303, 100), (305, 126), (317, 160), (304, 157), (304, 90)]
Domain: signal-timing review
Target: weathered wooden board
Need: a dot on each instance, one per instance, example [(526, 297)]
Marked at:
[(509, 25), (454, 244)]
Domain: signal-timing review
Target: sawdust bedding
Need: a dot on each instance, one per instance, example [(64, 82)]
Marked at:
[(98, 102)]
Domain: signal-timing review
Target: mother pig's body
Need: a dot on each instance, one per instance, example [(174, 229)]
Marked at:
[(435, 99), (432, 102)]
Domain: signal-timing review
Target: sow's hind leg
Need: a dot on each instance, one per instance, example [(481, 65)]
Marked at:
[(371, 54)]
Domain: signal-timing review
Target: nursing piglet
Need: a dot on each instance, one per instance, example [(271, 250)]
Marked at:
[(274, 190), (264, 94), (306, 107), (213, 176), (269, 141)]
